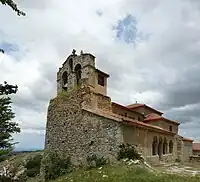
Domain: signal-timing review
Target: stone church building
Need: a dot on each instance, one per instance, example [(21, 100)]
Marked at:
[(82, 120)]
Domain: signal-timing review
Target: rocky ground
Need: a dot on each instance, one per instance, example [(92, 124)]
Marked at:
[(177, 168)]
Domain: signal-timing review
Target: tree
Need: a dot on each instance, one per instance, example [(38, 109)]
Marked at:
[(7, 127), (13, 5)]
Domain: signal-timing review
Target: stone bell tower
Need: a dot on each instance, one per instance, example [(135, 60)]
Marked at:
[(80, 69), (68, 128)]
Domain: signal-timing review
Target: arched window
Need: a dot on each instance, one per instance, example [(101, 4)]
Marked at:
[(71, 64), (170, 128), (170, 146), (64, 80), (165, 146), (154, 145), (78, 73)]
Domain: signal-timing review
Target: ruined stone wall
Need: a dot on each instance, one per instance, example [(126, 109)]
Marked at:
[(76, 133), (196, 152), (180, 147), (194, 159)]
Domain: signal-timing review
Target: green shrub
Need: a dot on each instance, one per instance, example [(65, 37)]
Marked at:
[(53, 166), (32, 172), (34, 162), (33, 166), (5, 179), (128, 151), (4, 153), (94, 161)]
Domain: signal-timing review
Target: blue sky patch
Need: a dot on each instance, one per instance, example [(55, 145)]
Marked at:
[(126, 30), (8, 47)]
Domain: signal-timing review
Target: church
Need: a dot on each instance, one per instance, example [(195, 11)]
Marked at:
[(82, 120)]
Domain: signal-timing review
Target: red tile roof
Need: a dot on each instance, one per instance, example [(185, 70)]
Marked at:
[(136, 105), (196, 146), (156, 117)]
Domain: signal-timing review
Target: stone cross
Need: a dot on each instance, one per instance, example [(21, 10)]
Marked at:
[(73, 52)]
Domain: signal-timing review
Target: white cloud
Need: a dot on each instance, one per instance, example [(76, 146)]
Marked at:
[(149, 72)]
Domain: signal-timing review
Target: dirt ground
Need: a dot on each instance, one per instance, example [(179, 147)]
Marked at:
[(177, 168)]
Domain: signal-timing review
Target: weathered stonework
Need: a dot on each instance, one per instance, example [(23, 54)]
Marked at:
[(74, 132), (82, 120)]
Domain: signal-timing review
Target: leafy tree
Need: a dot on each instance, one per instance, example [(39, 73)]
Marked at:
[(7, 127), (13, 5)]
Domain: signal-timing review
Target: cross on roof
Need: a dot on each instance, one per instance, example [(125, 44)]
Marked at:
[(74, 52)]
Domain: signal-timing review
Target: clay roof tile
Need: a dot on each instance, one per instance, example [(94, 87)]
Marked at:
[(196, 146)]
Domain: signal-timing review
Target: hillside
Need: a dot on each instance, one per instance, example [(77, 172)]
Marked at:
[(122, 172)]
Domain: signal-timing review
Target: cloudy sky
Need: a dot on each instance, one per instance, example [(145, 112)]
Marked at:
[(150, 48)]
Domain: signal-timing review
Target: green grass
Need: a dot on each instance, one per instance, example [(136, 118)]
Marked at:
[(123, 173)]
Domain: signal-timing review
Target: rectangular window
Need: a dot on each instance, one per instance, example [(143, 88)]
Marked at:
[(101, 80)]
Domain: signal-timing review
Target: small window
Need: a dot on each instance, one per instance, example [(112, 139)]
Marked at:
[(101, 80), (71, 64), (170, 128), (125, 114)]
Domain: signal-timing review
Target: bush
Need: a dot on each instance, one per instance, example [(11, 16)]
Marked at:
[(6, 179), (34, 162), (128, 151), (32, 172), (94, 161), (53, 166), (4, 153), (33, 166)]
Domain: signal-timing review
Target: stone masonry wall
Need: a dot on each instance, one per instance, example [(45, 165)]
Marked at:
[(187, 150), (76, 133)]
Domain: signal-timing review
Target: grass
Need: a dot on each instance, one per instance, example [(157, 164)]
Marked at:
[(123, 173)]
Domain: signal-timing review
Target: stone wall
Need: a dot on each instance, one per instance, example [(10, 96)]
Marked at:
[(187, 150), (118, 109), (195, 159), (87, 62), (76, 133), (143, 139), (145, 110), (196, 152), (165, 125), (180, 146)]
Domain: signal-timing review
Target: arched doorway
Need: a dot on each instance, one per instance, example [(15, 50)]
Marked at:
[(64, 80), (71, 64), (170, 146), (165, 146), (154, 145), (78, 73)]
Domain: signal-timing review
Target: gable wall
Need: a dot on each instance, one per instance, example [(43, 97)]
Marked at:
[(118, 110), (164, 124)]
